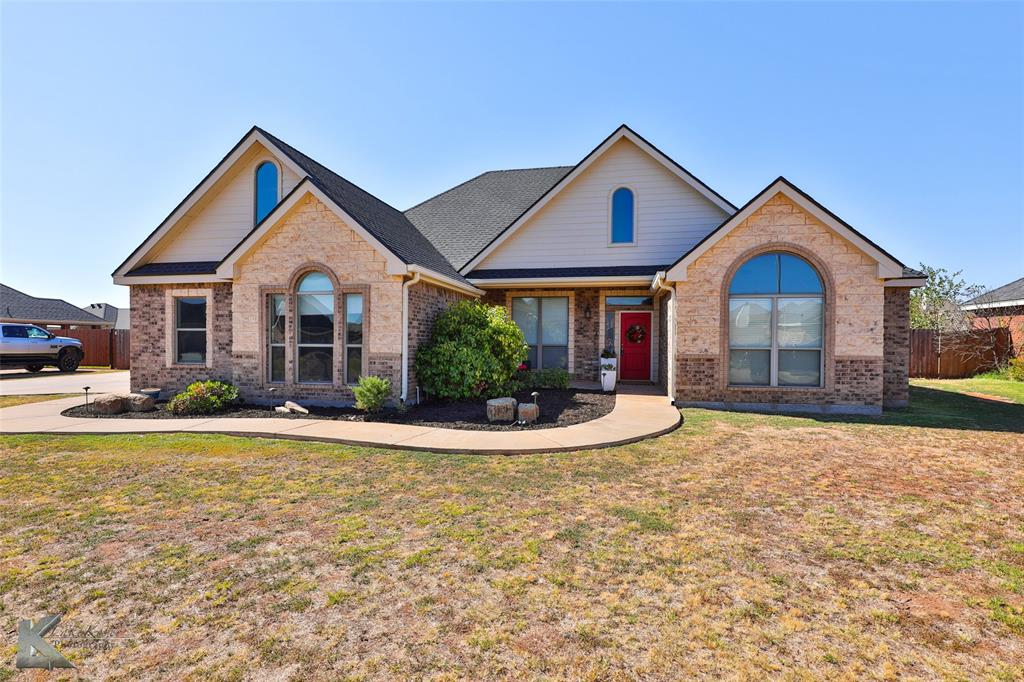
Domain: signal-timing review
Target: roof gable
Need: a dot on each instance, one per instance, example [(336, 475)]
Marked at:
[(888, 266), (623, 132)]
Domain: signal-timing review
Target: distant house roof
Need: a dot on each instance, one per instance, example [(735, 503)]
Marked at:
[(464, 219), (17, 306), (1011, 294), (118, 317)]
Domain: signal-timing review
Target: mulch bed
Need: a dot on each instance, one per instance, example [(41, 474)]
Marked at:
[(557, 408)]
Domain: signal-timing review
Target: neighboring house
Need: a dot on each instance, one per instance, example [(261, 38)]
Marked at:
[(119, 318), (1002, 307), (279, 275), (52, 313)]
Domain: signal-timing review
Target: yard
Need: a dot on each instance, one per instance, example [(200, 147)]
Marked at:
[(740, 546)]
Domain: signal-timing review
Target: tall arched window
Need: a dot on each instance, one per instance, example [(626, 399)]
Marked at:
[(266, 189), (314, 334), (623, 230), (776, 322)]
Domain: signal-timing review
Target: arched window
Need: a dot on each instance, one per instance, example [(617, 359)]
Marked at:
[(314, 334), (623, 230), (776, 322), (266, 189)]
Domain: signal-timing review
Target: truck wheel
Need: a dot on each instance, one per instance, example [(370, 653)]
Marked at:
[(35, 368), (68, 361)]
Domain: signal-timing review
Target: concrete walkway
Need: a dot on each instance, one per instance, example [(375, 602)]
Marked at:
[(636, 416), (50, 381)]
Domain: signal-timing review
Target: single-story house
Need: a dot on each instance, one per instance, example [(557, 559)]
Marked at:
[(119, 318), (55, 314), (1001, 307), (281, 276)]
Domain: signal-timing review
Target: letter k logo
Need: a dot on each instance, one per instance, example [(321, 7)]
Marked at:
[(33, 650)]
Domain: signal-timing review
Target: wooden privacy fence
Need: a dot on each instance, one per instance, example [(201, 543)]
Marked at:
[(103, 347), (956, 357)]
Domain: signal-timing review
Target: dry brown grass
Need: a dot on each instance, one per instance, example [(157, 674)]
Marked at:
[(740, 546), (12, 400)]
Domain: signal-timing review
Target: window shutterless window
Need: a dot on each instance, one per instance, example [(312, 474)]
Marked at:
[(266, 190), (353, 338), (776, 323), (190, 330), (275, 337), (314, 338), (545, 324), (623, 229)]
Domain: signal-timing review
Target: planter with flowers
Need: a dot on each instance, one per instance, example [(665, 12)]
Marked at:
[(608, 374)]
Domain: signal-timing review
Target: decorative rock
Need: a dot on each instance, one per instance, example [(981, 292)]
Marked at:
[(109, 403), (295, 407), (529, 412), (280, 409), (501, 409), (139, 402)]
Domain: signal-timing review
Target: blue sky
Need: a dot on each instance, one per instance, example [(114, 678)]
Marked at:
[(907, 120)]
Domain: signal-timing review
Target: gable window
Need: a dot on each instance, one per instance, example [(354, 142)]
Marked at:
[(776, 322), (314, 340), (275, 337), (623, 229), (190, 330), (545, 324), (266, 189)]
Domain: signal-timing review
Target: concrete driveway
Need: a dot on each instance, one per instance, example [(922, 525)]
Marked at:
[(22, 382)]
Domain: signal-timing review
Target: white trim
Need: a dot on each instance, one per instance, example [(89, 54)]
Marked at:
[(444, 281), (907, 282), (200, 191), (996, 304), (622, 133), (611, 215), (625, 280), (394, 264), (887, 267), (670, 332), (167, 279)]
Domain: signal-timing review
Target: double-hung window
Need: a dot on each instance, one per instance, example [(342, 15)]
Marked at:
[(190, 330), (545, 324), (776, 323)]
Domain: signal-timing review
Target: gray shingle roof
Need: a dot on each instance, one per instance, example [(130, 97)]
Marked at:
[(386, 223), (586, 271), (200, 267), (17, 305), (1014, 291), (119, 318), (912, 273), (463, 220)]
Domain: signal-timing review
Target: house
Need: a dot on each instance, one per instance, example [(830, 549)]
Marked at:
[(285, 278), (1001, 308), (119, 318), (50, 313)]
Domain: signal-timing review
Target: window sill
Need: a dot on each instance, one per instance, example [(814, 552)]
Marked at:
[(761, 387)]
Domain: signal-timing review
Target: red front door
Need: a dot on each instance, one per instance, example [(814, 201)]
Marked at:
[(635, 346)]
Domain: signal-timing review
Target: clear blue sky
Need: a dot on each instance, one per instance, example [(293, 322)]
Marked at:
[(905, 119)]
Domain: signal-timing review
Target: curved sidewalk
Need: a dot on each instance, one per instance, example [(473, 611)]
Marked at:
[(635, 417)]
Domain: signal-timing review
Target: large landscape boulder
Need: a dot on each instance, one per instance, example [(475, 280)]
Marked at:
[(109, 403), (529, 412), (140, 402), (501, 409), (295, 407)]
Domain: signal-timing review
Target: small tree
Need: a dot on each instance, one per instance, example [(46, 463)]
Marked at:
[(473, 347), (936, 305)]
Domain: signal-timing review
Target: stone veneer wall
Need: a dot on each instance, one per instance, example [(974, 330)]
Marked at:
[(896, 371), (150, 338), (854, 314), (426, 301)]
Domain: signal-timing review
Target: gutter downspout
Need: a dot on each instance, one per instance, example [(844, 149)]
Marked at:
[(670, 353), (405, 335)]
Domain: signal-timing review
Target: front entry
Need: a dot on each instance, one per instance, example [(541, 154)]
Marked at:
[(635, 347)]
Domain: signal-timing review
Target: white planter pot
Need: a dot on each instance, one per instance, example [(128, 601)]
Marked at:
[(608, 380), (608, 361)]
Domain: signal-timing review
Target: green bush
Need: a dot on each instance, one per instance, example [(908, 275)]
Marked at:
[(1016, 369), (371, 393), (203, 397), (474, 349), (545, 378)]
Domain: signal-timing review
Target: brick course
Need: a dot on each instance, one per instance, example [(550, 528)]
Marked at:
[(896, 370)]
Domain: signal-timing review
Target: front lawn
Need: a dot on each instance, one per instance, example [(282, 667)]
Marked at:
[(740, 545), (12, 400), (988, 384)]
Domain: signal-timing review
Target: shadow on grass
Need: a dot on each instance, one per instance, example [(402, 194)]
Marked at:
[(945, 410)]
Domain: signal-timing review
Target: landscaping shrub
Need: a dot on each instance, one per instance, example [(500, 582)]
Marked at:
[(474, 349), (1016, 369), (203, 397), (371, 393), (545, 378)]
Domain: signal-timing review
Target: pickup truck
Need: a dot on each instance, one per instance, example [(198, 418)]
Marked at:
[(27, 346)]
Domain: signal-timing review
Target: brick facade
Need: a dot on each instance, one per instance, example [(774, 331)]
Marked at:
[(426, 301), (896, 370)]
